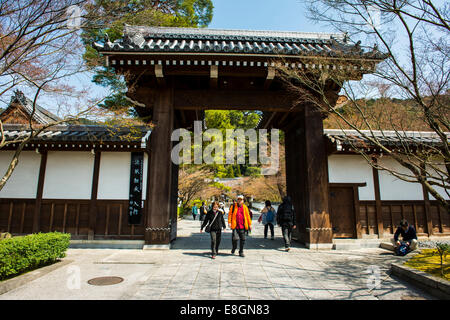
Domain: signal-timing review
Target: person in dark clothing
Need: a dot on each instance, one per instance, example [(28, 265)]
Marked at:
[(215, 218), (203, 211), (408, 234), (286, 219)]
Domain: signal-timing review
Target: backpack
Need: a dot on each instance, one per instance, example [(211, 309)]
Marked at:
[(270, 215), (401, 250), (286, 213)]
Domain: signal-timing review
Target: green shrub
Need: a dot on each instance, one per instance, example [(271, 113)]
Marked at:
[(21, 254)]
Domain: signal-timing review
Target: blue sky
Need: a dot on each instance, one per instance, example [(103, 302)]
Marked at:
[(279, 15)]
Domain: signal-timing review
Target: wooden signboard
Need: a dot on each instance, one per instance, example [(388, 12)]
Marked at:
[(135, 199)]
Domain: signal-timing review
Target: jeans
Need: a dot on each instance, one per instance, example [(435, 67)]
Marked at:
[(268, 225), (216, 236), (238, 234), (287, 234)]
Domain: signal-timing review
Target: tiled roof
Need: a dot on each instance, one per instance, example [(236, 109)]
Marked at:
[(40, 115), (388, 138), (163, 39), (80, 133)]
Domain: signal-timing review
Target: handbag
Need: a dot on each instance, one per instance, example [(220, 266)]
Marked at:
[(208, 227)]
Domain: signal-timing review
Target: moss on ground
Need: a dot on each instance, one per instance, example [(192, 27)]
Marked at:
[(429, 261)]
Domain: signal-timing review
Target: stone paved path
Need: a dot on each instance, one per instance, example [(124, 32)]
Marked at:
[(187, 272)]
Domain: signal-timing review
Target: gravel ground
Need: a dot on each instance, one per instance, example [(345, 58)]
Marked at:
[(431, 243)]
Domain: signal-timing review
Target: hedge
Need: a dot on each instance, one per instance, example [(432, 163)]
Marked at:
[(21, 254)]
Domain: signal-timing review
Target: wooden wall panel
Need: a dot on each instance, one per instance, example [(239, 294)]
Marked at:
[(387, 219), (372, 219), (83, 220), (445, 220), (363, 219), (421, 219), (435, 218), (408, 214)]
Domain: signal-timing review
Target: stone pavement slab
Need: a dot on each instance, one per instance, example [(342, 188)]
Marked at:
[(187, 272)]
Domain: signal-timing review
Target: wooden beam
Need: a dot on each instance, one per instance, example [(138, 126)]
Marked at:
[(267, 123), (93, 202), (378, 208), (214, 76), (234, 99), (427, 207), (39, 192), (159, 74), (269, 78)]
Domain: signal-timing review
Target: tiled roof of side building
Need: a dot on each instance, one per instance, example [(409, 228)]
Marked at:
[(80, 133), (387, 137), (196, 40), (40, 115)]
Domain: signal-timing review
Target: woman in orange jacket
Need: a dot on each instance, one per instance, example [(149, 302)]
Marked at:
[(239, 222)]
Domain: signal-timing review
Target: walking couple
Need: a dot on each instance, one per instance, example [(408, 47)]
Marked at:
[(239, 222), (285, 218)]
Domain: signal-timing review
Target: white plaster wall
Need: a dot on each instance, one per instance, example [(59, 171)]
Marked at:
[(114, 176), (68, 175), (439, 190), (352, 169), (24, 179), (392, 188)]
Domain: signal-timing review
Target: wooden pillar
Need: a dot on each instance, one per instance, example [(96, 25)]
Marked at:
[(160, 170), (426, 201), (93, 202), (40, 191), (378, 208), (174, 202), (307, 160)]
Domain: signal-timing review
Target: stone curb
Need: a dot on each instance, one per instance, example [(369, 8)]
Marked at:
[(435, 286), (20, 280)]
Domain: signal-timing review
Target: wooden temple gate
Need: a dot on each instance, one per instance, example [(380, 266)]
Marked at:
[(174, 74)]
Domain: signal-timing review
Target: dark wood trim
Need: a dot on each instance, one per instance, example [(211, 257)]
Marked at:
[(426, 200), (22, 218), (39, 192), (441, 226), (94, 191), (378, 209), (347, 185), (77, 220), (11, 208), (356, 208)]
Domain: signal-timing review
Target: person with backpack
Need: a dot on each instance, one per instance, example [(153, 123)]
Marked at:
[(268, 218), (286, 219), (239, 222), (214, 223), (409, 238)]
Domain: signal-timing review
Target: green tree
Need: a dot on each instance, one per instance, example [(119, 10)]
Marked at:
[(231, 119), (106, 18)]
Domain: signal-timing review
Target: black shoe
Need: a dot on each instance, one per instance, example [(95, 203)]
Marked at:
[(232, 251), (241, 254)]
